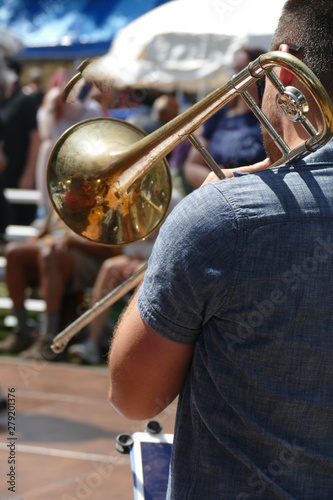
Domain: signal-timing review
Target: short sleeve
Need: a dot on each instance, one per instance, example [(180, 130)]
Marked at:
[(190, 267)]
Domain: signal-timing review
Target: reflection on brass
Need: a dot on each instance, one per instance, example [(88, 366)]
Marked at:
[(88, 193)]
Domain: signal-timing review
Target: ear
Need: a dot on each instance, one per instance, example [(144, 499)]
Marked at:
[(285, 75)]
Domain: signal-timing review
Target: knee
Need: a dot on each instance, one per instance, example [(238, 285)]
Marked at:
[(46, 256), (13, 250), (50, 260), (114, 263)]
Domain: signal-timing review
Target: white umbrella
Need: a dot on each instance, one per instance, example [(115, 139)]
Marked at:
[(10, 44), (185, 44)]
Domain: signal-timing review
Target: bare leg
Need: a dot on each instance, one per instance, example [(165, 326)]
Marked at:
[(109, 276), (56, 270), (112, 273), (55, 264), (21, 269)]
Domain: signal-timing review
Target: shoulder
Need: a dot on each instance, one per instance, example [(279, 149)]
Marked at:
[(241, 199), (199, 209), (220, 210), (205, 218)]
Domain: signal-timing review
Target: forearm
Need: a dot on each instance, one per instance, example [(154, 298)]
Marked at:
[(28, 176)]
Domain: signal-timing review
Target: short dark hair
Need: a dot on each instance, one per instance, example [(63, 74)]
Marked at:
[(309, 24)]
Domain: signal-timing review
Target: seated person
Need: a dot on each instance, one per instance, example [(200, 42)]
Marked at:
[(232, 135), (58, 261), (113, 272), (164, 108)]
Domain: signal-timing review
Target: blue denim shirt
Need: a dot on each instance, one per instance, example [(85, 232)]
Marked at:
[(244, 268)]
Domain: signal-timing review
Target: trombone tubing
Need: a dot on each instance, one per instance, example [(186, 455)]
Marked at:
[(146, 153), (60, 342)]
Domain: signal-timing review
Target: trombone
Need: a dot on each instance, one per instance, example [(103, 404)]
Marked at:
[(110, 183)]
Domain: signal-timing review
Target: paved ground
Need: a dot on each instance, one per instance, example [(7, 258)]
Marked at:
[(66, 432)]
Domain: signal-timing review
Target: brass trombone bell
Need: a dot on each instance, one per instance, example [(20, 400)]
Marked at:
[(88, 194)]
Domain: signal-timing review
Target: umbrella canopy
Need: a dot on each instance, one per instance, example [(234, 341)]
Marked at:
[(10, 44), (187, 44)]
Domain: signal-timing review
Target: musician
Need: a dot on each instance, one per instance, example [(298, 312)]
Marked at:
[(235, 314)]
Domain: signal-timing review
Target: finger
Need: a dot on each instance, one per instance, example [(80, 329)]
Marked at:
[(229, 172), (210, 178), (261, 165)]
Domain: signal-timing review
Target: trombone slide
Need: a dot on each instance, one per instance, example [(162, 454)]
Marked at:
[(60, 342)]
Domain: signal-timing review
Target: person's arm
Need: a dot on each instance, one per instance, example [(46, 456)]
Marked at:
[(183, 287), (27, 180), (229, 172), (147, 371), (3, 159)]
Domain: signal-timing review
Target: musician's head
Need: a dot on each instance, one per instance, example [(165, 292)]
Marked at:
[(165, 108), (309, 25), (305, 29)]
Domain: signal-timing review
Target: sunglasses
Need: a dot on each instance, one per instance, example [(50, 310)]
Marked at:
[(293, 49)]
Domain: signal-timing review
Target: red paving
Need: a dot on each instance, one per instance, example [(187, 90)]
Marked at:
[(66, 433)]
